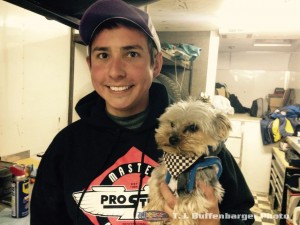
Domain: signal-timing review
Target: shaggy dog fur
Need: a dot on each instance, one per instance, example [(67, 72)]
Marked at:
[(188, 128)]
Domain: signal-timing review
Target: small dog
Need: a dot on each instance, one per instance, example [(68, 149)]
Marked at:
[(186, 130)]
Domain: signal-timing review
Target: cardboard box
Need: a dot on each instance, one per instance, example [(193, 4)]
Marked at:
[(275, 102), (221, 91)]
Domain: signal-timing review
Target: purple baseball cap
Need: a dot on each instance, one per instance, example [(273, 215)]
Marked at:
[(104, 10)]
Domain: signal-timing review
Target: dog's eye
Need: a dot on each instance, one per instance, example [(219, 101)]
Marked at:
[(172, 124), (191, 128)]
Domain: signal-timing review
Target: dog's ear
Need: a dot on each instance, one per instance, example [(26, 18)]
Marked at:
[(223, 126)]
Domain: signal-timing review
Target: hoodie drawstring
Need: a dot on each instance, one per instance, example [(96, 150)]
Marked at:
[(85, 189), (142, 175)]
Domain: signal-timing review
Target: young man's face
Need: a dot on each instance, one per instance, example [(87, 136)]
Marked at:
[(121, 70)]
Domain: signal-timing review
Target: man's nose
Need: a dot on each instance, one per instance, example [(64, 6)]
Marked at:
[(117, 68)]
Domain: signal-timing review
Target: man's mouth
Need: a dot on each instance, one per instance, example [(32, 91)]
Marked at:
[(119, 88)]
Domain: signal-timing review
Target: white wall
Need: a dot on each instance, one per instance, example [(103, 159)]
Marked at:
[(34, 79), (294, 79), (251, 75), (294, 67)]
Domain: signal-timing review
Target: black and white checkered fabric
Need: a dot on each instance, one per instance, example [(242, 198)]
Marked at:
[(176, 164)]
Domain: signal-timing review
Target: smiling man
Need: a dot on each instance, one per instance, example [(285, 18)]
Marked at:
[(122, 71), (96, 170)]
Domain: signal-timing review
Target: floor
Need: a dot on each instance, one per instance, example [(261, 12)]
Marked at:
[(262, 210)]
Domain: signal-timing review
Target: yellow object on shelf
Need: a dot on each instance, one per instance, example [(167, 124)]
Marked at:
[(29, 161)]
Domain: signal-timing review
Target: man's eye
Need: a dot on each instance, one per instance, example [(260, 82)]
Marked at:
[(102, 55), (133, 54)]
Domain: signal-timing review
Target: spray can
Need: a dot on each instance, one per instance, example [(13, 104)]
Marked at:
[(20, 193)]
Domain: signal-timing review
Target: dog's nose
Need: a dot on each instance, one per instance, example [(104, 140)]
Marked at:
[(173, 140)]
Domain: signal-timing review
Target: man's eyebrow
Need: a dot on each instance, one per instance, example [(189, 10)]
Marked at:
[(126, 48), (100, 49), (130, 47)]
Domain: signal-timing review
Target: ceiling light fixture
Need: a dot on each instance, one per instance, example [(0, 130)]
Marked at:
[(272, 43)]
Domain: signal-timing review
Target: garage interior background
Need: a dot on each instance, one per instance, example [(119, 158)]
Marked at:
[(37, 57)]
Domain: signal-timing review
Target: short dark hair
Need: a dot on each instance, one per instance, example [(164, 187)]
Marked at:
[(115, 23)]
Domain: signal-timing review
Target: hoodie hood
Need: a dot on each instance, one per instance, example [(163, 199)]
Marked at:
[(85, 106)]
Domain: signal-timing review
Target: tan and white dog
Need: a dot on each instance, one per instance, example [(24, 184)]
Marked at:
[(186, 132)]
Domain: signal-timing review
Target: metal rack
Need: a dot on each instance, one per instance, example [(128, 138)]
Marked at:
[(281, 172), (171, 66), (170, 60)]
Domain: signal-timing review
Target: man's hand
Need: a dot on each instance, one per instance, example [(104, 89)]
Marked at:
[(170, 201), (208, 192)]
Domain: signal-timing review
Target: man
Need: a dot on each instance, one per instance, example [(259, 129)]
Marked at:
[(96, 170)]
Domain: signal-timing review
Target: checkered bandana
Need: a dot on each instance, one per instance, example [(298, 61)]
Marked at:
[(176, 164)]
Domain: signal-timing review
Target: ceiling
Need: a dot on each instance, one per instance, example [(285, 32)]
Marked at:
[(239, 23)]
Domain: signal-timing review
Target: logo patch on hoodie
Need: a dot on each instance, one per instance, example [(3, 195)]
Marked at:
[(114, 194)]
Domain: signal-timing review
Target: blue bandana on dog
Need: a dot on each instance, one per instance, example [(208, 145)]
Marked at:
[(179, 165)]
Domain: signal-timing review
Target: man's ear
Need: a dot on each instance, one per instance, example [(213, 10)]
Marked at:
[(158, 61), (88, 61)]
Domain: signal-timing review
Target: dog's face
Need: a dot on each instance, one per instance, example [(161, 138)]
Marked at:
[(188, 127)]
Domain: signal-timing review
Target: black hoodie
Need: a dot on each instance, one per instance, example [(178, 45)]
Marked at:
[(95, 171)]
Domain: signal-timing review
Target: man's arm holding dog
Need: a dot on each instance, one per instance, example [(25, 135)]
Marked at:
[(208, 191), (237, 201)]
